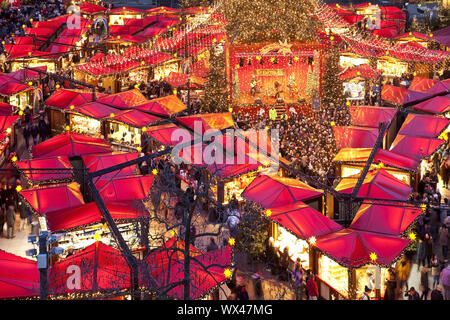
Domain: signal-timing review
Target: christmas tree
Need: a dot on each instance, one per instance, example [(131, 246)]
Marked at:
[(271, 20), (216, 88), (184, 4)]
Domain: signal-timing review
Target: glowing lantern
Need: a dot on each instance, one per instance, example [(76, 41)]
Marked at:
[(8, 130), (312, 240)]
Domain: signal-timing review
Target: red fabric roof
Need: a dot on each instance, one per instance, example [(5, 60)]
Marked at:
[(19, 277), (7, 121), (95, 162), (415, 96), (440, 88), (165, 132), (135, 118), (238, 166), (426, 126), (70, 144), (442, 36), (6, 109), (436, 105), (177, 79), (124, 100), (355, 137), (113, 64), (363, 71), (422, 84), (64, 98), (165, 106), (207, 121), (303, 220), (25, 74), (369, 116), (274, 191), (416, 147), (125, 188), (378, 184), (28, 168), (103, 268), (386, 157), (91, 8), (88, 214), (383, 218), (352, 248), (126, 38), (95, 110), (64, 44), (10, 86), (51, 198), (394, 95)]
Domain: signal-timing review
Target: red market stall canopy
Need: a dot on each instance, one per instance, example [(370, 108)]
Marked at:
[(303, 221), (383, 218), (58, 168), (7, 121), (6, 109), (177, 79), (112, 64), (103, 269), (125, 38), (274, 191), (394, 95), (436, 105), (88, 214), (206, 272), (167, 134), (95, 110), (64, 44), (440, 88), (442, 36), (354, 249), (26, 74), (422, 84), (238, 166), (96, 162), (150, 57), (416, 147), (389, 158), (19, 277), (63, 99), (51, 198), (70, 144), (369, 116), (355, 137), (164, 106), (10, 86), (90, 8), (124, 100), (207, 121), (125, 188), (425, 126), (135, 118), (378, 184), (362, 71)]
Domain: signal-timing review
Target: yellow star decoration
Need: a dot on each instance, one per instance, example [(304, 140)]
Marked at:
[(332, 123), (373, 256), (296, 58), (268, 212), (260, 168), (412, 236), (272, 59), (230, 109), (14, 159), (155, 172), (97, 236), (227, 273), (8, 130), (285, 48), (19, 188), (111, 115), (139, 149), (172, 232), (67, 128), (231, 241), (312, 240), (20, 113)]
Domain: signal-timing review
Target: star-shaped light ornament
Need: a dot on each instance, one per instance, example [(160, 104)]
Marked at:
[(285, 47), (231, 241), (227, 273), (373, 257)]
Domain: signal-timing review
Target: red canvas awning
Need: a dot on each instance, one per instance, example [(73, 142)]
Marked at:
[(125, 188), (415, 96), (6, 109), (103, 269), (422, 84), (206, 121), (436, 105), (57, 197), (303, 220), (384, 218), (425, 126), (7, 122), (370, 116), (10, 86), (378, 184), (89, 214), (90, 8), (19, 277), (389, 158), (96, 162), (443, 36), (124, 100), (167, 134), (353, 249), (26, 74), (95, 110), (355, 137), (70, 144), (33, 169), (361, 71), (394, 95), (177, 80), (274, 191), (64, 98), (237, 167), (135, 118), (416, 147), (440, 88), (164, 106)]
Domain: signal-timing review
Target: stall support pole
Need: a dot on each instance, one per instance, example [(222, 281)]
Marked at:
[(43, 265), (352, 284), (378, 282)]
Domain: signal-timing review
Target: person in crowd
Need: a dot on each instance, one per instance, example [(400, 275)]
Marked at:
[(391, 285), (435, 270), (424, 284), (297, 277), (444, 239), (421, 255), (241, 290), (436, 294), (10, 218), (27, 134), (311, 287), (428, 249), (35, 133), (23, 210), (366, 294), (412, 294), (403, 269)]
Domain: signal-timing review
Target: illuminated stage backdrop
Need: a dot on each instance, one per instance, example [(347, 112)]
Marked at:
[(289, 69)]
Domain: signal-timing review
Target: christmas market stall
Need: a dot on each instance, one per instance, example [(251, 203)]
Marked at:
[(45, 171), (16, 93), (358, 81), (165, 106), (118, 16), (8, 135)]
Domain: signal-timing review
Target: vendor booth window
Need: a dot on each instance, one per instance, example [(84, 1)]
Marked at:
[(298, 248), (369, 276), (85, 125), (333, 274)]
